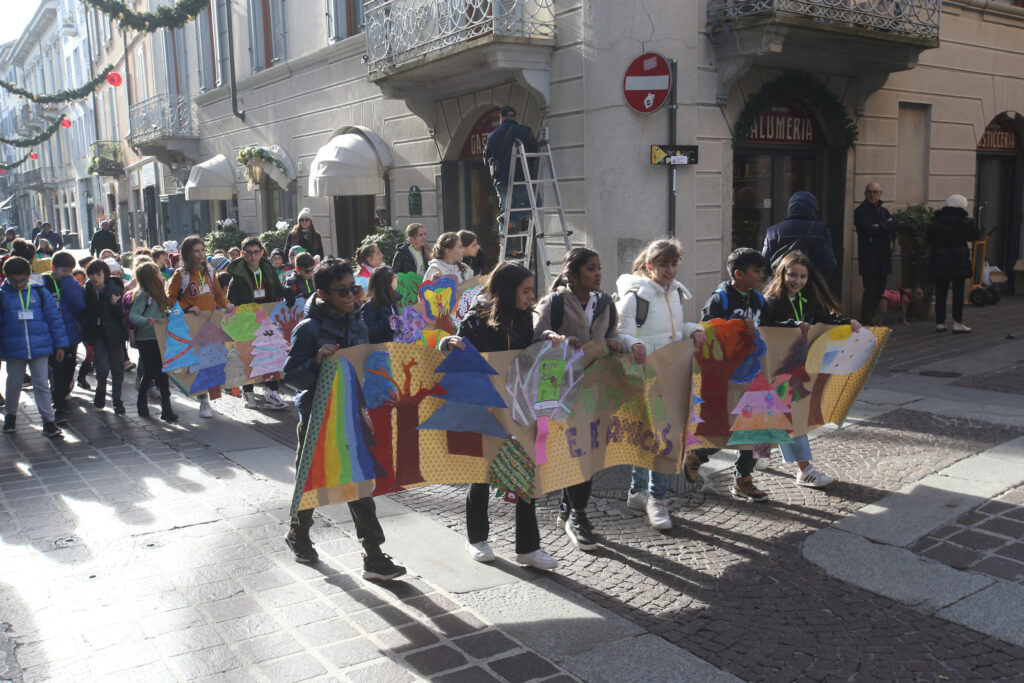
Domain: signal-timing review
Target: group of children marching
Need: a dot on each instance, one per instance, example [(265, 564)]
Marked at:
[(42, 323)]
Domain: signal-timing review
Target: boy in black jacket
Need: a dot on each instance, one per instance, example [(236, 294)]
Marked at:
[(737, 298)]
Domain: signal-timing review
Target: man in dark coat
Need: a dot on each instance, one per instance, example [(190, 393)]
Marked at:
[(876, 229), (498, 157), (802, 226), (104, 239)]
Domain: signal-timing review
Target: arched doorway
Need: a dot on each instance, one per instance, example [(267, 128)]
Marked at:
[(786, 152), (998, 190), (467, 191)]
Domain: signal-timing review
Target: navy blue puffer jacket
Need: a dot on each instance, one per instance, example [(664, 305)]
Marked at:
[(28, 339)]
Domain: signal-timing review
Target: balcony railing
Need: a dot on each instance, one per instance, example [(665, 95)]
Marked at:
[(162, 116), (912, 18), (105, 158), (398, 31), (37, 177)]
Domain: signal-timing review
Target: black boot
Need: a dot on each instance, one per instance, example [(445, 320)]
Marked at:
[(10, 424), (142, 405), (166, 412), (100, 399), (84, 370), (118, 407)]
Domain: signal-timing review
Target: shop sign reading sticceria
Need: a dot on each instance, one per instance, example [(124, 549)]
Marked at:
[(999, 136), (786, 124), (477, 139)]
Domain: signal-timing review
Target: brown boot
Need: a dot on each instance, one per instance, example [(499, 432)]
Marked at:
[(744, 488)]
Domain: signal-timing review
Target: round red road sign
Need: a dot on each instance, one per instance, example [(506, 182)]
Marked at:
[(647, 83)]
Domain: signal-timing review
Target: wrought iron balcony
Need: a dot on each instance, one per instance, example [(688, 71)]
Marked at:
[(909, 18), (409, 32), (105, 158), (165, 127), (162, 116), (38, 177)]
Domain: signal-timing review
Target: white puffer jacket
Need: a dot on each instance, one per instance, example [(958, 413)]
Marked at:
[(439, 267), (664, 323)]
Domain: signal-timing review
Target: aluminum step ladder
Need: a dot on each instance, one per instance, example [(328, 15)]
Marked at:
[(546, 233)]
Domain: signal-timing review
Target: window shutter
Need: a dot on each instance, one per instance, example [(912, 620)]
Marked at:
[(277, 30)]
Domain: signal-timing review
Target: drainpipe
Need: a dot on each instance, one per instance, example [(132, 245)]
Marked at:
[(673, 108), (231, 63)]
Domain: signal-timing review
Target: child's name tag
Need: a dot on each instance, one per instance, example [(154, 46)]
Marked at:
[(26, 315), (204, 289), (260, 293)]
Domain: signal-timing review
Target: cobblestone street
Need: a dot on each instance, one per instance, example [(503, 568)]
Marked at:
[(136, 551)]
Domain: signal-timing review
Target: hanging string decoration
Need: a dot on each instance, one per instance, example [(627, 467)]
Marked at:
[(170, 17), (37, 139), (13, 165), (61, 95)]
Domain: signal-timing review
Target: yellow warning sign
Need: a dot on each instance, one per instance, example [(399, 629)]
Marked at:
[(657, 154)]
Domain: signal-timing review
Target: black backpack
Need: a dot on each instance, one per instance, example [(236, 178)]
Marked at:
[(643, 305), (558, 311)]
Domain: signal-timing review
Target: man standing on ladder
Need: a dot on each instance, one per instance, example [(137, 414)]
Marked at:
[(498, 157)]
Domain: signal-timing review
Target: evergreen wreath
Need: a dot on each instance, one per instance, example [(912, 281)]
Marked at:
[(840, 130), (61, 95), (173, 16), (14, 164), (254, 152), (36, 139)]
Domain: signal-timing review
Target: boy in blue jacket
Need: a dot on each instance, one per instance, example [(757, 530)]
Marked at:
[(331, 323), (70, 297), (30, 330)]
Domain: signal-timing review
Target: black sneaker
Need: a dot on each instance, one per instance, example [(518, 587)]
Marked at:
[(563, 515), (3, 402), (84, 383), (51, 430), (380, 568), (580, 531), (61, 415), (302, 547), (119, 408), (10, 424)]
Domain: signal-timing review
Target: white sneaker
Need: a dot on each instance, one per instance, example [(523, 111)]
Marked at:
[(637, 501), (657, 514), (272, 401), (538, 559), (761, 464), (205, 409), (960, 328), (481, 552), (812, 478), (250, 400)]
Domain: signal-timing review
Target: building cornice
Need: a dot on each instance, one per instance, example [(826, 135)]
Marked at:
[(992, 10)]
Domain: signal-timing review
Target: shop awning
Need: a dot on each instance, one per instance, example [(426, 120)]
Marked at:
[(270, 159), (6, 204), (212, 179), (352, 163)]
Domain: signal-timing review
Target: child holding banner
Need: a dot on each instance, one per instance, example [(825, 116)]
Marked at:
[(148, 306), (650, 317), (502, 321), (578, 311), (798, 297), (446, 259), (331, 323), (382, 303)]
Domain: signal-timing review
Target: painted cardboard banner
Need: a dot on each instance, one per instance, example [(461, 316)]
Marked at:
[(393, 416)]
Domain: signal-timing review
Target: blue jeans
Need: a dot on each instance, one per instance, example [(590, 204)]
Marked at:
[(655, 483), (520, 199), (798, 451)]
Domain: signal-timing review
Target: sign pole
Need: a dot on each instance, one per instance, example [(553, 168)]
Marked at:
[(673, 107)]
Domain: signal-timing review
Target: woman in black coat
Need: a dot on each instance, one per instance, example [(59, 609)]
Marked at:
[(948, 234), (411, 257)]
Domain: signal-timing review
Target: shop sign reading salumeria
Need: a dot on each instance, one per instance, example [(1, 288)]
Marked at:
[(787, 124)]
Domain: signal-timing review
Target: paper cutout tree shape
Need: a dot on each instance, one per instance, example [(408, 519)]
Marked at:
[(269, 348), (439, 299), (544, 382), (840, 351), (406, 407), (178, 352), (378, 391), (288, 317), (464, 414), (467, 301), (408, 325), (762, 414), (409, 288), (794, 366), (241, 324), (727, 345), (511, 473)]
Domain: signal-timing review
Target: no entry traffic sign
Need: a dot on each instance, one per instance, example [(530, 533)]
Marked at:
[(647, 83)]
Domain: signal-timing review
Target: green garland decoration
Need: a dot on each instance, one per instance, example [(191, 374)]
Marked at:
[(35, 139), (61, 95), (247, 154), (840, 130), (14, 164), (174, 16)]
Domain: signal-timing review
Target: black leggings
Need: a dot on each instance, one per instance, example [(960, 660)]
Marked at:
[(152, 372), (478, 526), (941, 288)]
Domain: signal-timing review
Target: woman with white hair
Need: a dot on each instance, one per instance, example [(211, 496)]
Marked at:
[(948, 234)]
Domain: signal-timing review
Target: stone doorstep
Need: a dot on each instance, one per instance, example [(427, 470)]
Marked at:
[(868, 549)]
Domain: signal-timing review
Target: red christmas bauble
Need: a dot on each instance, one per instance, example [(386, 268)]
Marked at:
[(33, 155), (114, 79), (3, 170), (66, 123)]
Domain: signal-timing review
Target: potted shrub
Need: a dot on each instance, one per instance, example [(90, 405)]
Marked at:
[(914, 254)]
